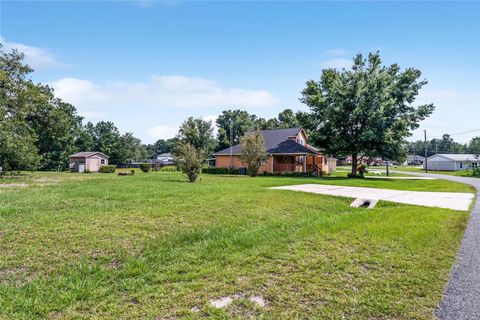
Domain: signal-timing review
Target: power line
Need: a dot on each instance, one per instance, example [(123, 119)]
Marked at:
[(456, 133)]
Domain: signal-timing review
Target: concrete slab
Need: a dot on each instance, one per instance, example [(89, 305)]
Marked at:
[(399, 178), (449, 200)]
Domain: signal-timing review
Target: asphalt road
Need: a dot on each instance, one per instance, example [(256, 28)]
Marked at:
[(461, 299)]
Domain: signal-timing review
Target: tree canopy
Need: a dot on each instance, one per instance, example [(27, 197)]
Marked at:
[(198, 133), (366, 110)]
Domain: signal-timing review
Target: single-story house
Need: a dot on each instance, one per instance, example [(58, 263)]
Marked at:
[(288, 151), (414, 160), (90, 161), (452, 162), (166, 159)]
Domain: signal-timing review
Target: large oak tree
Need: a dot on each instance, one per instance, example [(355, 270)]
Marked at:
[(367, 110)]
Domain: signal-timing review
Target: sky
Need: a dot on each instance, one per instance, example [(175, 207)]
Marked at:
[(148, 65)]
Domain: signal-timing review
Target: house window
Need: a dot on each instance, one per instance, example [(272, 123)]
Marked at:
[(262, 163), (102, 161), (461, 165)]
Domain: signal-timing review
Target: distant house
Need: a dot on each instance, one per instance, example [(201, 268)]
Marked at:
[(87, 161), (288, 151), (414, 160), (452, 162), (165, 159)]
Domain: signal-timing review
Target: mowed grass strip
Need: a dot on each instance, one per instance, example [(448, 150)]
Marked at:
[(153, 246)]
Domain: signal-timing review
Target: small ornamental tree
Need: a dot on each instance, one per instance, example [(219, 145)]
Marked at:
[(253, 152), (189, 160)]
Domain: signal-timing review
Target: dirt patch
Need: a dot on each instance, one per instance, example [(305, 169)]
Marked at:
[(13, 185), (224, 302), (17, 277), (114, 264)]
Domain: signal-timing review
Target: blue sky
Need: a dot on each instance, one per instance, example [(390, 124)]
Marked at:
[(148, 65)]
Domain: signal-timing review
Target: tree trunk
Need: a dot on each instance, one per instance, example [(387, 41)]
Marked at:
[(354, 164)]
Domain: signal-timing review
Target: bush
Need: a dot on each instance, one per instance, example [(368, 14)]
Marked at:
[(214, 170), (107, 169), (145, 167), (468, 173), (132, 172), (362, 169)]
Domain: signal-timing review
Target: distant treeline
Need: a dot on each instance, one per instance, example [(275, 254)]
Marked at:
[(40, 131), (446, 144)]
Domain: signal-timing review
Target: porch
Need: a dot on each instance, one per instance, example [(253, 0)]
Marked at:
[(297, 163)]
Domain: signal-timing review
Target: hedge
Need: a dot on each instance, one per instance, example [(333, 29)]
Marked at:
[(108, 169), (289, 174), (220, 170)]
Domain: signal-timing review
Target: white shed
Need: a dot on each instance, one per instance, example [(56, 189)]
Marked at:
[(452, 162)]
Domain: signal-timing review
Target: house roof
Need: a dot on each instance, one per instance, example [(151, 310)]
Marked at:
[(456, 156), (276, 142), (165, 155), (87, 154)]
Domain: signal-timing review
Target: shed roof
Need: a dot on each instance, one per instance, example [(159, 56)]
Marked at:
[(277, 141), (87, 154)]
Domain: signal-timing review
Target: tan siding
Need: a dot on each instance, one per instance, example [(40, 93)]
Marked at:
[(224, 162)]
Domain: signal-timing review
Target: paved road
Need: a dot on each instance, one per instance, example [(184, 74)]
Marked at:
[(462, 295)]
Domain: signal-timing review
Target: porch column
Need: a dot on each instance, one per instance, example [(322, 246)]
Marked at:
[(305, 163), (272, 163)]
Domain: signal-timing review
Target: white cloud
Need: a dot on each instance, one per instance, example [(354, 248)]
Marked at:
[(211, 117), (93, 115), (162, 132), (336, 52), (160, 92), (338, 63), (34, 57)]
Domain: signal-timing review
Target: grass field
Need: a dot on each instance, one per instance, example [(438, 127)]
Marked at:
[(82, 246)]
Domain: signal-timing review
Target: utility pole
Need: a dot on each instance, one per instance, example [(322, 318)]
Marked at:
[(231, 143), (426, 153)]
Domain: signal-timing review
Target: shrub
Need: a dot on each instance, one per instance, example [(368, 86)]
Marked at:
[(145, 167), (132, 172), (468, 173), (189, 160), (289, 174), (362, 169), (107, 169), (214, 170)]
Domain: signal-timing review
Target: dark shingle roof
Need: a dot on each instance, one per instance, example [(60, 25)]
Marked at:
[(276, 141), (86, 154)]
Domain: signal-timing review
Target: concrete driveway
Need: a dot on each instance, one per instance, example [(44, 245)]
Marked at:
[(448, 200), (461, 300)]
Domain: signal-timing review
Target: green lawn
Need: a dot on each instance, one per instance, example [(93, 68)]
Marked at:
[(82, 246)]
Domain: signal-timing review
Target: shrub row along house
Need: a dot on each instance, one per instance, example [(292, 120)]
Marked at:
[(288, 151)]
